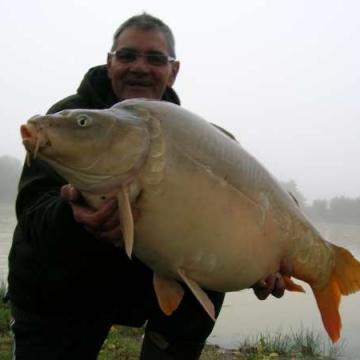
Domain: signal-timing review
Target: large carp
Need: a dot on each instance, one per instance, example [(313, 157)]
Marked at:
[(208, 213)]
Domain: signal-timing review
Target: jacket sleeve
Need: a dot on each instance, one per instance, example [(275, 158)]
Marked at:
[(51, 252), (44, 218), (71, 102)]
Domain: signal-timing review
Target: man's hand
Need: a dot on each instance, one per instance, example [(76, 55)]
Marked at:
[(274, 284), (103, 223)]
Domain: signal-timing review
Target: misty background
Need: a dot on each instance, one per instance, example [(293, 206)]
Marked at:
[(282, 76)]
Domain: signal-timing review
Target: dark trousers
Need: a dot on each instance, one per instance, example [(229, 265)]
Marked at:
[(181, 336), (60, 339)]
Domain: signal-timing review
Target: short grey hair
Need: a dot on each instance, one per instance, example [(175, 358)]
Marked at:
[(147, 22)]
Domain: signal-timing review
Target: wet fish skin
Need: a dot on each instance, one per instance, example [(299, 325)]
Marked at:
[(209, 214)]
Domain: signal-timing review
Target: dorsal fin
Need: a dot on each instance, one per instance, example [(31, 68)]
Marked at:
[(294, 198)]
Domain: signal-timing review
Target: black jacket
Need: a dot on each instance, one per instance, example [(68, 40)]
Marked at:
[(56, 268)]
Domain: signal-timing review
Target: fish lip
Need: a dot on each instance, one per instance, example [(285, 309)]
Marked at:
[(30, 138), (28, 131), (33, 137)]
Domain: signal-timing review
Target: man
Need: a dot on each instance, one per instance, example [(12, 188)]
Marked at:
[(68, 283)]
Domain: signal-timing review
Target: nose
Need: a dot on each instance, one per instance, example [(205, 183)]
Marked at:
[(139, 64)]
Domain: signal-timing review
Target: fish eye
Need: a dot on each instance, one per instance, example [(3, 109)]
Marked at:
[(83, 120)]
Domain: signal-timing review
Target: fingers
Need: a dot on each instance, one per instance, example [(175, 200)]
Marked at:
[(69, 193), (274, 284), (95, 218), (103, 223), (285, 267), (279, 286), (264, 287)]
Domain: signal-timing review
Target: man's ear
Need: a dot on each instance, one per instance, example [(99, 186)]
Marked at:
[(175, 66)]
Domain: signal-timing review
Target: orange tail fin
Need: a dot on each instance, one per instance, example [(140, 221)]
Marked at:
[(344, 280)]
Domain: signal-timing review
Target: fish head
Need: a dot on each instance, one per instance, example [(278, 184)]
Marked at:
[(91, 149)]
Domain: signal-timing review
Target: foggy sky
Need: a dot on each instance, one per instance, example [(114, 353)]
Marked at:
[(283, 76)]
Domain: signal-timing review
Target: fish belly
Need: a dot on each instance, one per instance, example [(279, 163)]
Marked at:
[(198, 222)]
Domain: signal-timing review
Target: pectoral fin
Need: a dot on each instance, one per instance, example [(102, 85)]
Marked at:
[(169, 293), (126, 220), (199, 294)]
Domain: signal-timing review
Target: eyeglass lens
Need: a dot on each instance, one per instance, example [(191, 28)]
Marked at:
[(153, 58)]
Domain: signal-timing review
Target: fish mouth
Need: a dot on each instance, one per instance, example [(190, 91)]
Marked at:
[(33, 138), (28, 131)]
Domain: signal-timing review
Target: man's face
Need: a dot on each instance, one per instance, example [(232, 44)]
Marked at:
[(139, 78)]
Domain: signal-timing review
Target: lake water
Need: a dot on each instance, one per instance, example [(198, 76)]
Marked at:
[(7, 224), (243, 315)]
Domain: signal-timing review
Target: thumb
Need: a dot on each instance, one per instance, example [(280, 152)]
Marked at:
[(69, 193)]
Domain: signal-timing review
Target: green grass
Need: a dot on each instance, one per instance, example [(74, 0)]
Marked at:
[(5, 333), (302, 344), (123, 343)]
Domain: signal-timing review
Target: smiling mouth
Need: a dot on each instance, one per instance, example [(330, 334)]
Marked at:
[(138, 84)]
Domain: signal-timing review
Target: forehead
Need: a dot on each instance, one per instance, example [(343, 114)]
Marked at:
[(142, 40)]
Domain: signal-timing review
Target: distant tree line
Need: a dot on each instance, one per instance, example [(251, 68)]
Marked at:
[(341, 209), (337, 210)]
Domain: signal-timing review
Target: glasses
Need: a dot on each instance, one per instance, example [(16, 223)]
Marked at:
[(155, 58)]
